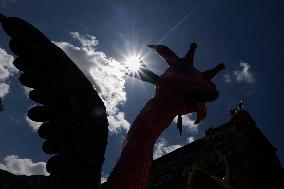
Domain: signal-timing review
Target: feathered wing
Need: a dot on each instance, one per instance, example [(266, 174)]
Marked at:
[(170, 57), (75, 121)]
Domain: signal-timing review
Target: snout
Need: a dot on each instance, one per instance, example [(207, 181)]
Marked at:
[(205, 94), (200, 90)]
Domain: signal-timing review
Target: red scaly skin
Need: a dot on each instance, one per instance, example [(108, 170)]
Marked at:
[(180, 90), (133, 166)]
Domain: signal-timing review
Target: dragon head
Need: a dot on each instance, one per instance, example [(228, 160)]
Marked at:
[(184, 88)]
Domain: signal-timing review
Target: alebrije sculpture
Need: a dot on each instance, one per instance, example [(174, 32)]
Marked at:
[(75, 121), (181, 89)]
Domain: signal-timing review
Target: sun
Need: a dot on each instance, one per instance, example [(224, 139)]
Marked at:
[(133, 63)]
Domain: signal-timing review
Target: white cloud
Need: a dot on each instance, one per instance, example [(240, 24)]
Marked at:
[(161, 148), (241, 76), (188, 123), (27, 90), (117, 122), (33, 124), (106, 74), (104, 178), (4, 89), (17, 166), (7, 69), (227, 78), (89, 43), (245, 74), (190, 139)]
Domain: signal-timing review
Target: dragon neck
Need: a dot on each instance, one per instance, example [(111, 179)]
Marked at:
[(132, 168)]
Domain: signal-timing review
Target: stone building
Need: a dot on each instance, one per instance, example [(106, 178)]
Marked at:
[(236, 151)]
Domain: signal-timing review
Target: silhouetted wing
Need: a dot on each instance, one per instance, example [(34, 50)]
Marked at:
[(170, 57), (75, 122)]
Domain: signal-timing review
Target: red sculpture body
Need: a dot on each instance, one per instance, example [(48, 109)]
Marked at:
[(182, 89)]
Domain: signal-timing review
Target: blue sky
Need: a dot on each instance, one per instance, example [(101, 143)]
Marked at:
[(245, 35)]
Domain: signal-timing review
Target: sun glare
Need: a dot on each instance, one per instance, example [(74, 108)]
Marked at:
[(133, 63)]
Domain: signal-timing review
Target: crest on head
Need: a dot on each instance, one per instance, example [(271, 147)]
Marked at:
[(182, 87), (182, 82)]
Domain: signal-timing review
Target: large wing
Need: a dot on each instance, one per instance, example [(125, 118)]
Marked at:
[(170, 57), (75, 122)]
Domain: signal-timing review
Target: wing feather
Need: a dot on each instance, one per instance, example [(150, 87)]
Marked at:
[(75, 121)]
